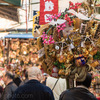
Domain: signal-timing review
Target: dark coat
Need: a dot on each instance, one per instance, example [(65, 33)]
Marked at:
[(33, 90), (1, 90), (17, 81), (77, 94), (23, 82), (9, 91)]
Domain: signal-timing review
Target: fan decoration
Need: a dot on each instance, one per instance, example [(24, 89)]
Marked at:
[(68, 45)]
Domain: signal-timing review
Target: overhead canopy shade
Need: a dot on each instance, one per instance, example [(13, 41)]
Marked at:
[(14, 2), (8, 9), (9, 13), (21, 36), (10, 2)]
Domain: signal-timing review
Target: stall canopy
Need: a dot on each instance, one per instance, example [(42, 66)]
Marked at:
[(8, 9), (10, 2), (3, 34), (10, 13), (21, 36)]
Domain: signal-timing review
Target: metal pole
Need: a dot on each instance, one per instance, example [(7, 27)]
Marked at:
[(26, 19)]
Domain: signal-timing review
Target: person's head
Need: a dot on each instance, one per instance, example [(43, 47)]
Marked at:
[(45, 75), (86, 82), (7, 77), (26, 74), (34, 73)]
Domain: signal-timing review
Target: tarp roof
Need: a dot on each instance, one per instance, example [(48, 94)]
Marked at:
[(21, 36), (8, 9), (9, 13), (3, 34), (10, 2)]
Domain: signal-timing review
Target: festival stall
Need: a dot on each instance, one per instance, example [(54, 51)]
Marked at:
[(69, 46), (2, 58), (20, 52), (2, 46)]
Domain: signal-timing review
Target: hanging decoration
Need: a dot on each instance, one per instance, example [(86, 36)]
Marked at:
[(70, 43), (46, 9), (19, 55)]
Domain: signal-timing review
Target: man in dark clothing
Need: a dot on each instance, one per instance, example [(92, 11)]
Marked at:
[(1, 90), (10, 86), (80, 92), (17, 81), (26, 79), (33, 89)]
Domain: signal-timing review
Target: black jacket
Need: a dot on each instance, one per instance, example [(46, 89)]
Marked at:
[(1, 90), (77, 93), (23, 82), (17, 81), (9, 91), (33, 90)]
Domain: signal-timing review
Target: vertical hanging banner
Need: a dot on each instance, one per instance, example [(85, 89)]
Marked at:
[(47, 8), (36, 26), (35, 20)]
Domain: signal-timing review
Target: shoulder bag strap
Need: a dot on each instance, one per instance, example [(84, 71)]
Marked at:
[(55, 84)]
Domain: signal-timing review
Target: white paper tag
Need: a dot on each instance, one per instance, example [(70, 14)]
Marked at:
[(59, 21), (83, 28), (41, 53), (79, 15)]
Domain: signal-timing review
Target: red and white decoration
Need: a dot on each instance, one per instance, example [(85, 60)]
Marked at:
[(47, 8), (54, 71)]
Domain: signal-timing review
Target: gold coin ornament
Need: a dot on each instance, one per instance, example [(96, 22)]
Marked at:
[(62, 59)]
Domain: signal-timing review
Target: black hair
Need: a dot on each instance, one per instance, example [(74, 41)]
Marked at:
[(9, 75), (26, 74), (87, 81)]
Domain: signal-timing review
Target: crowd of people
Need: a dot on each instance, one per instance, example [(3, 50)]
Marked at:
[(38, 86)]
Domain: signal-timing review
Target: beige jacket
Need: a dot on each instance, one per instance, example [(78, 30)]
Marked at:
[(59, 88)]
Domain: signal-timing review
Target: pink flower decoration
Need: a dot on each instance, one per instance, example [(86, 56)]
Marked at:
[(46, 42), (59, 14), (52, 42), (43, 32), (66, 15), (59, 30), (64, 25), (58, 26), (46, 39), (75, 7), (41, 36)]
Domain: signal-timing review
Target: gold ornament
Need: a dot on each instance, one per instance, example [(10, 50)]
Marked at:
[(61, 72), (62, 59)]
